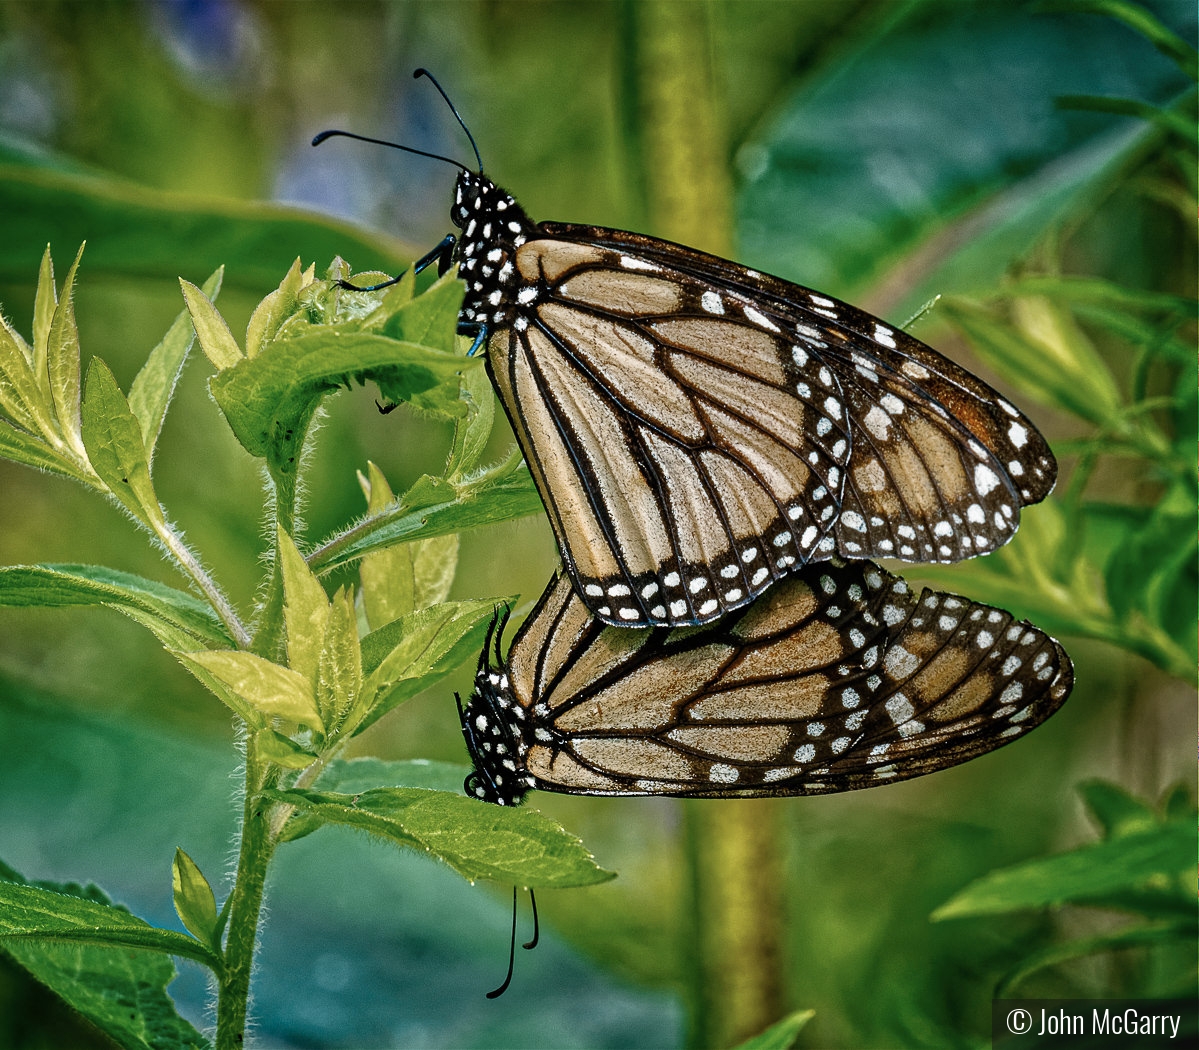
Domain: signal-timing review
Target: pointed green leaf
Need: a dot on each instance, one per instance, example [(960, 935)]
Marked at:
[(413, 653), (20, 395), (781, 1035), (499, 493), (430, 319), (1147, 935), (276, 308), (35, 913), (473, 430), (339, 677), (122, 992), (62, 585), (194, 901), (407, 576), (1115, 810), (265, 687), (154, 386), (62, 360), (477, 839), (305, 609), (1046, 360), (281, 750), (22, 447), (216, 340), (44, 302), (1132, 860), (114, 445)]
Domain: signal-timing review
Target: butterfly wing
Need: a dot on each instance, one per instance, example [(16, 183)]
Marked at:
[(697, 430), (838, 678)]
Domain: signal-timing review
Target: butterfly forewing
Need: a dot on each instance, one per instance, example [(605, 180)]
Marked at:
[(838, 678)]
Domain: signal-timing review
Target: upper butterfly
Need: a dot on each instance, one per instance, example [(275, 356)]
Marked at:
[(698, 430)]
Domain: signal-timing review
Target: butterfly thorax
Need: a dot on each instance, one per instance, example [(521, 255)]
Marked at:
[(493, 226), (491, 723)]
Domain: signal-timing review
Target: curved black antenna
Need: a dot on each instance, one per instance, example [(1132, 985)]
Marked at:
[(417, 74), (496, 993), (318, 139), (536, 925)]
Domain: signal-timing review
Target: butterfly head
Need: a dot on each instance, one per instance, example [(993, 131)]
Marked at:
[(491, 725), (493, 226)]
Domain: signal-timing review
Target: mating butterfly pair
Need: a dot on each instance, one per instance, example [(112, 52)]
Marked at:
[(700, 432)]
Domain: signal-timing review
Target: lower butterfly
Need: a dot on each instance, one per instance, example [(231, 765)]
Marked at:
[(840, 677)]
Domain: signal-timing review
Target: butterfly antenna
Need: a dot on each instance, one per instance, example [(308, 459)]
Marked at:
[(318, 139), (453, 109), (496, 993), (536, 926)]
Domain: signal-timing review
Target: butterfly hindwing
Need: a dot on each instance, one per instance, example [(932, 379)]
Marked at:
[(838, 678)]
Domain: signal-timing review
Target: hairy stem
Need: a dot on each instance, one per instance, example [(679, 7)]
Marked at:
[(208, 587), (257, 847)]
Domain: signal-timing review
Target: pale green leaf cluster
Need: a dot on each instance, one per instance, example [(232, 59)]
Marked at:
[(308, 670)]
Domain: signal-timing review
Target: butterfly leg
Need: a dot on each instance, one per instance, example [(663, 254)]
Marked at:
[(442, 255)]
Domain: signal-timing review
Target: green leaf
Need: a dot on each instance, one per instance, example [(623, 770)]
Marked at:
[(21, 395), (276, 308), (1132, 860), (22, 447), (305, 609), (1136, 17), (1114, 809), (430, 319), (473, 430), (281, 750), (1147, 935), (113, 440), (477, 839), (122, 992), (355, 775), (168, 611), (267, 399), (138, 233), (780, 1035), (216, 340), (433, 507), (407, 576), (154, 385), (194, 900), (35, 913), (264, 687), (44, 302), (62, 360), (1048, 357), (416, 651), (920, 218), (339, 675)]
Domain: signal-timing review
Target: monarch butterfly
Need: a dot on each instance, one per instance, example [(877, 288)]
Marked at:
[(839, 677), (698, 430)]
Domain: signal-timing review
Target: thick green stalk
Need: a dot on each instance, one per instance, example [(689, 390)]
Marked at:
[(735, 952)]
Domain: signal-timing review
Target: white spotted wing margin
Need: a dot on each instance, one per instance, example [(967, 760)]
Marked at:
[(697, 430), (836, 679)]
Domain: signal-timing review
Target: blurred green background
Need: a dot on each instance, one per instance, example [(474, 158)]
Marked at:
[(879, 150)]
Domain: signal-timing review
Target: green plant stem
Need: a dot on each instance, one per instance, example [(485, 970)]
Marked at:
[(257, 847), (190, 564)]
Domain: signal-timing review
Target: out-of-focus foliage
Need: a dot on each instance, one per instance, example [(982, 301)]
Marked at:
[(883, 151)]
